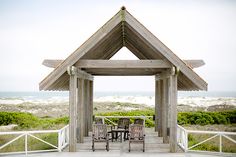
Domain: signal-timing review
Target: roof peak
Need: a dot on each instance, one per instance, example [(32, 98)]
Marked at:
[(123, 8)]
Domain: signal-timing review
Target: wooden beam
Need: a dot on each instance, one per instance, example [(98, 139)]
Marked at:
[(55, 63), (80, 104), (72, 111), (113, 64), (173, 113), (52, 63), (124, 72), (194, 63)]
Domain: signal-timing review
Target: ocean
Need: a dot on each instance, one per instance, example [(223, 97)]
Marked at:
[(47, 95), (188, 98)]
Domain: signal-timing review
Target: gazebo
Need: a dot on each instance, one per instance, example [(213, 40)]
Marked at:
[(77, 71)]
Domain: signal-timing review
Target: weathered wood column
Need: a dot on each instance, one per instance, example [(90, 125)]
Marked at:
[(72, 108), (83, 98), (91, 105), (160, 102), (158, 105), (164, 107), (85, 107), (173, 110), (168, 110), (80, 116)]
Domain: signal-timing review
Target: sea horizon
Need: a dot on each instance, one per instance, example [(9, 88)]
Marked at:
[(46, 94)]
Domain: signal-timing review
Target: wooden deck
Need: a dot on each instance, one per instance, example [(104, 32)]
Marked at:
[(153, 144), (154, 148)]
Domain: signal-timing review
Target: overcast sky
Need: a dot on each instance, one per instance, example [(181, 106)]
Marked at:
[(34, 30)]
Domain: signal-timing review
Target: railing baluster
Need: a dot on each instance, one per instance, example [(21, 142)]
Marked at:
[(220, 143), (186, 140), (59, 140), (26, 144)]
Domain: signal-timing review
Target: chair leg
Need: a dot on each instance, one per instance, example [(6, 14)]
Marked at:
[(143, 146), (93, 147), (107, 146), (116, 136), (112, 136), (129, 146)]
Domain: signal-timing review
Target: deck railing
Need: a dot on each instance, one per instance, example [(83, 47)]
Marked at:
[(62, 140), (108, 118), (183, 135), (63, 137)]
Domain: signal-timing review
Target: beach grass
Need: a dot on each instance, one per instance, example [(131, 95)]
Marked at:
[(211, 145), (33, 144)]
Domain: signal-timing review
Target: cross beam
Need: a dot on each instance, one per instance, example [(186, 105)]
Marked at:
[(55, 63), (122, 64)]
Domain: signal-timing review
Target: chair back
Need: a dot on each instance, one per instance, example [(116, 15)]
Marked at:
[(99, 131), (138, 121), (98, 121), (136, 131), (123, 123)]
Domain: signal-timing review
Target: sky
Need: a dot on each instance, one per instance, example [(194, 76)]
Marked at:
[(31, 31)]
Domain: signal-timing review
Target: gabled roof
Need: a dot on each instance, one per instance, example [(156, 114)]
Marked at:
[(123, 30)]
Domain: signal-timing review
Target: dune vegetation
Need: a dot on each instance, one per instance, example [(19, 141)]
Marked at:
[(28, 121)]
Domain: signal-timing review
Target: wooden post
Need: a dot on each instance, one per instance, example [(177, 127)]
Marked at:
[(80, 122), (173, 115), (156, 106), (88, 117), (168, 110), (85, 107), (91, 104), (159, 110), (72, 109), (88, 105), (164, 110)]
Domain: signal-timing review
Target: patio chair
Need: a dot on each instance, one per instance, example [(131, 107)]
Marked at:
[(98, 121), (139, 121), (100, 135), (136, 135)]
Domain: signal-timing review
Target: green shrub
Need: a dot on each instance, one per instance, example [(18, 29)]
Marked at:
[(27, 120), (204, 118), (24, 120)]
